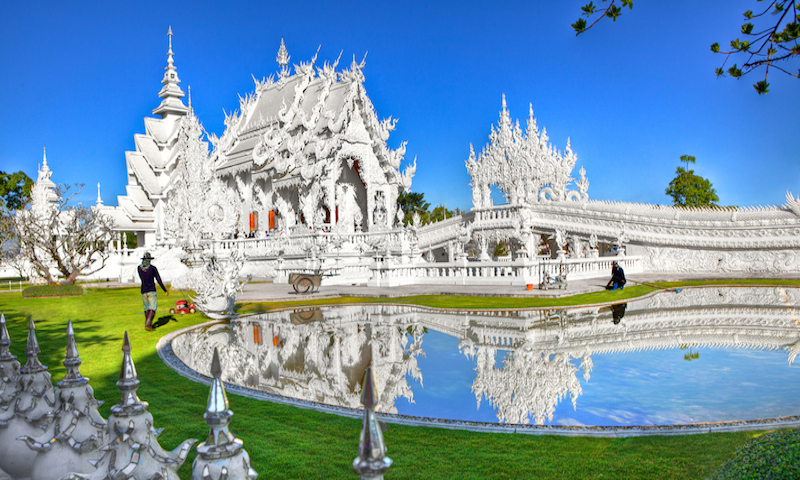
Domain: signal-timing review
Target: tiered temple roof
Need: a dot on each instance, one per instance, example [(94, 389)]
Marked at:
[(151, 166)]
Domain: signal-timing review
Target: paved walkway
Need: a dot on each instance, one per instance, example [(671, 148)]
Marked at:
[(263, 290)]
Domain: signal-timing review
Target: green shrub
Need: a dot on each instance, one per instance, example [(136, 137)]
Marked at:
[(775, 455), (53, 291)]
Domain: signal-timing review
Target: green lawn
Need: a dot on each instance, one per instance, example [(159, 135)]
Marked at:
[(289, 442)]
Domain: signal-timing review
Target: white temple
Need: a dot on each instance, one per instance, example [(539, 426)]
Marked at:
[(152, 166), (308, 151), (303, 178)]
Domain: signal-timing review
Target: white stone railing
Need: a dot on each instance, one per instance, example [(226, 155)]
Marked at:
[(301, 244), (519, 272)]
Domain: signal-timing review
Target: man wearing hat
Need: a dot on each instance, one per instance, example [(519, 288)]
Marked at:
[(147, 274)]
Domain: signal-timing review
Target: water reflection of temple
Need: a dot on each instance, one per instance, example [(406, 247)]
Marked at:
[(300, 355), (321, 355)]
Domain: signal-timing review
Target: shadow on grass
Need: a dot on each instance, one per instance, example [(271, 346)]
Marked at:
[(163, 320)]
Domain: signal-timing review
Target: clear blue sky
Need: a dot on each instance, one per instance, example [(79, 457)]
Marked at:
[(633, 96)]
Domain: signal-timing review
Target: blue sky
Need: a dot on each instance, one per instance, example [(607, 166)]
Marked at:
[(633, 96)]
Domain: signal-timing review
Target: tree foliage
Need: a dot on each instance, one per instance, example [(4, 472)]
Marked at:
[(72, 239), (690, 190), (769, 46), (15, 192), (411, 203), (772, 44), (15, 189)]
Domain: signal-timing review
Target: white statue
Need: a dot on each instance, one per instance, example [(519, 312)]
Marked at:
[(217, 285)]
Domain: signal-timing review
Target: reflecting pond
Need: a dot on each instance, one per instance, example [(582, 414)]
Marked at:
[(700, 355)]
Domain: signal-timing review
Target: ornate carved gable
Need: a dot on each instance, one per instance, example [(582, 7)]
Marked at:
[(525, 167), (317, 115)]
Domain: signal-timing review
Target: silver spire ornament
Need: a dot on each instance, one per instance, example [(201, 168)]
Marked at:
[(371, 462), (132, 451), (221, 456), (33, 411), (9, 367), (71, 443)]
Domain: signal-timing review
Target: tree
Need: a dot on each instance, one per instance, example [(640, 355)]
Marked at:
[(412, 203), (72, 239), (440, 213), (773, 43), (15, 192), (15, 189), (690, 190)]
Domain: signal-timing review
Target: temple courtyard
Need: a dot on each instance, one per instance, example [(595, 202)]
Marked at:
[(285, 441)]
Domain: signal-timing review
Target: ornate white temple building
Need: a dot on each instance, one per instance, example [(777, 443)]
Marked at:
[(303, 178), (305, 152), (309, 150), (152, 166)]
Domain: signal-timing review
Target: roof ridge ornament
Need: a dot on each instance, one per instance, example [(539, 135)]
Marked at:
[(283, 61)]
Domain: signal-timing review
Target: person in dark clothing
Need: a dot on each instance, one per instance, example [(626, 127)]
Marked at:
[(617, 277), (618, 311), (148, 274)]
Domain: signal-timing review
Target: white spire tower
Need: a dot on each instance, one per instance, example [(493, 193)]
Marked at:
[(171, 93)]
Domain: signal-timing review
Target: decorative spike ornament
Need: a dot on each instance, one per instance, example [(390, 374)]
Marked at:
[(371, 462), (73, 440), (283, 61), (221, 456), (9, 367), (33, 412), (132, 450)]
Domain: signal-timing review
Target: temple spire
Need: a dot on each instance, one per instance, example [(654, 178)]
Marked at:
[(32, 352), (72, 362), (99, 200), (171, 93), (371, 462), (128, 383)]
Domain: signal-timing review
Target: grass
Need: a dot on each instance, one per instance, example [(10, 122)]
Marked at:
[(468, 302), (288, 442)]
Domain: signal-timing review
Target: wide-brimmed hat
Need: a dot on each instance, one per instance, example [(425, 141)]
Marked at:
[(147, 256)]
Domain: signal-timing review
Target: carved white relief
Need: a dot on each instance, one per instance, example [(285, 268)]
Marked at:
[(523, 165)]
